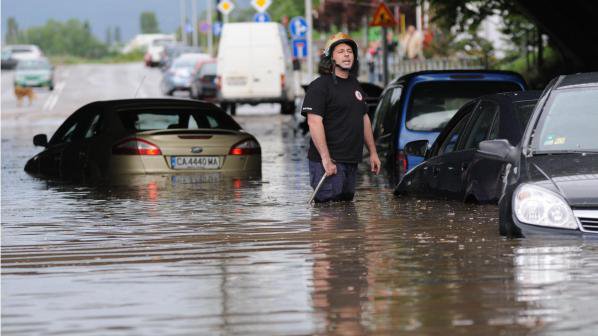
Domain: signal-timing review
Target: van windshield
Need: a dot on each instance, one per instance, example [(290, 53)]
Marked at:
[(433, 104)]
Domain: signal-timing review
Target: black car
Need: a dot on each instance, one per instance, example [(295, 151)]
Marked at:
[(452, 168), (552, 174)]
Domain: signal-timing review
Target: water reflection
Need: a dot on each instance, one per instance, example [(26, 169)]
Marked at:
[(339, 268)]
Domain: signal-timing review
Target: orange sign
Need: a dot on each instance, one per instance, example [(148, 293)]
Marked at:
[(383, 17)]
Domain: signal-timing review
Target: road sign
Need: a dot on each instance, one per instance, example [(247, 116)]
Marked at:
[(204, 27), (225, 6), (298, 27), (383, 17), (261, 5), (188, 27), (217, 28), (299, 48), (261, 17)]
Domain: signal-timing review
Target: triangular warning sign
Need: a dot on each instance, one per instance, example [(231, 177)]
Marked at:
[(383, 17)]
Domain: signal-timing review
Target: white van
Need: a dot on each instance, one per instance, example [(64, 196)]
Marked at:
[(255, 66)]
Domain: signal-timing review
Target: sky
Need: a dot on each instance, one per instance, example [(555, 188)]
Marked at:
[(101, 14)]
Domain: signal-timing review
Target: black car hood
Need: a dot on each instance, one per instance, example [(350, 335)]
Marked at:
[(574, 176)]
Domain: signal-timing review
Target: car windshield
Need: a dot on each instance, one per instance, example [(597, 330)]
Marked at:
[(146, 119), (21, 50), (162, 42), (33, 65), (570, 121), (184, 63), (433, 104)]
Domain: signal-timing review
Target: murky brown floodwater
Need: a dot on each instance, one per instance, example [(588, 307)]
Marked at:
[(198, 255)]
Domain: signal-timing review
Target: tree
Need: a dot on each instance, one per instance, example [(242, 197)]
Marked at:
[(12, 31), (149, 23), (117, 35), (109, 36)]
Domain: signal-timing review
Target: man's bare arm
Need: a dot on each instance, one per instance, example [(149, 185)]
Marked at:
[(318, 136)]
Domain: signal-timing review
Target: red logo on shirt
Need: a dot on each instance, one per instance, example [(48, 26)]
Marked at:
[(358, 95)]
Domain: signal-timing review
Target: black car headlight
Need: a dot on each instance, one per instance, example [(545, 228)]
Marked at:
[(538, 206)]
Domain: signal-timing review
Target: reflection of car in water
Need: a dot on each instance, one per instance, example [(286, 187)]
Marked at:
[(203, 85), (552, 175), (34, 73), (417, 106), (108, 139), (452, 168), (181, 73)]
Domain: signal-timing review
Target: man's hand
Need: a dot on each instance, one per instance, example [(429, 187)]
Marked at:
[(375, 163), (329, 167)]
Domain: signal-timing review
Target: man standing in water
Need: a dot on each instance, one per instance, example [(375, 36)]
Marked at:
[(338, 122)]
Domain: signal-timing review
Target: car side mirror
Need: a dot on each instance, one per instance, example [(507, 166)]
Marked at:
[(417, 148), (40, 140), (499, 149)]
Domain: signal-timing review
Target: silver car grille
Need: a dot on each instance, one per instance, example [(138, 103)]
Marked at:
[(588, 219)]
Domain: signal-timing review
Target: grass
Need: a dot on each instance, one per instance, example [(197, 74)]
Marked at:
[(135, 56)]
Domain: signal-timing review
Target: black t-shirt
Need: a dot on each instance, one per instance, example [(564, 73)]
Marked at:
[(342, 107)]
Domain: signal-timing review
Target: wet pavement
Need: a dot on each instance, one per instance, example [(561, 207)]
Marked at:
[(208, 255)]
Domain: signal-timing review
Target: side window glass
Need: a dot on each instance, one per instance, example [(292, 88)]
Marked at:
[(386, 112), (451, 141), (69, 135), (494, 130), (482, 120), (94, 127), (66, 132)]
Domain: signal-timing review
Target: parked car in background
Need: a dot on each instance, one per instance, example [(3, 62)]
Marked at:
[(8, 62), (452, 168), (20, 52), (181, 73), (417, 106), (551, 182), (254, 66), (155, 49), (204, 85), (108, 139), (36, 72)]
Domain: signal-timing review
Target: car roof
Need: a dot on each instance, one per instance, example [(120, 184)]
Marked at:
[(514, 96), (456, 73), (579, 79)]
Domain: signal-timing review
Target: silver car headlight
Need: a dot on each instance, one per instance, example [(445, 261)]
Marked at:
[(538, 206)]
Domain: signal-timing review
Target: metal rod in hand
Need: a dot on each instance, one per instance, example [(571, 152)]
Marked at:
[(317, 189)]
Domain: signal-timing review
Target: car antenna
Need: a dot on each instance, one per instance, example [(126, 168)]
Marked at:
[(139, 87)]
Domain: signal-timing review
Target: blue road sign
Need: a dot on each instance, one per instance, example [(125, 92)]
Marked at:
[(298, 27), (300, 48), (262, 17), (217, 27)]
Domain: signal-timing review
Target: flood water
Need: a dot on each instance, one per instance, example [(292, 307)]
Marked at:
[(206, 255)]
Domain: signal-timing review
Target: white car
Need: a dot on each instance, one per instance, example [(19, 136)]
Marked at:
[(155, 50), (24, 51)]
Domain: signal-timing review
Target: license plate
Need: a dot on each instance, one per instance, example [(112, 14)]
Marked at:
[(195, 162)]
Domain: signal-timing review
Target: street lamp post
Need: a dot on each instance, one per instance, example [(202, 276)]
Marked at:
[(310, 49)]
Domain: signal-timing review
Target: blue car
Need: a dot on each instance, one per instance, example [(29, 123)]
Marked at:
[(419, 105)]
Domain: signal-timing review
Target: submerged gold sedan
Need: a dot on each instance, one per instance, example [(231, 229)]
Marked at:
[(110, 139)]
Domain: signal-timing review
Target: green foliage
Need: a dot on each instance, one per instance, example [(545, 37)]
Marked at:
[(72, 37), (149, 23), (288, 8)]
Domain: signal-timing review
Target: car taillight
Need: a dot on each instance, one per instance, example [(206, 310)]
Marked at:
[(282, 80), (400, 163), (245, 147), (136, 146)]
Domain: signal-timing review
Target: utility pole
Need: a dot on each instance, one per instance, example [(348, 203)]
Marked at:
[(194, 21), (183, 15), (211, 32), (310, 49)]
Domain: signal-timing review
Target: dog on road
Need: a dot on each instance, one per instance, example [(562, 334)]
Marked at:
[(21, 92)]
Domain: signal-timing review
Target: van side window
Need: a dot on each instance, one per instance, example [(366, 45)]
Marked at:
[(385, 116)]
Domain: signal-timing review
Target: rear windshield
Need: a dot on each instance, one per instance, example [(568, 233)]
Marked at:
[(139, 120), (432, 105), (208, 69)]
